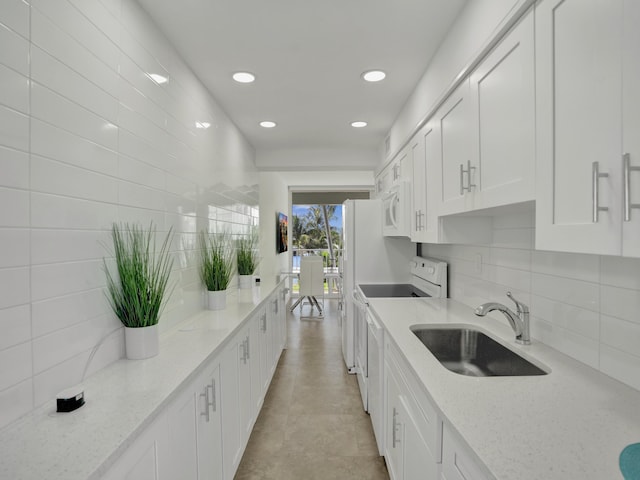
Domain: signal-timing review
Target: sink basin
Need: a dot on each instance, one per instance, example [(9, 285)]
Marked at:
[(470, 352)]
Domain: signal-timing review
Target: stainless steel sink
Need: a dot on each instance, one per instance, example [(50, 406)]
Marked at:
[(470, 352)]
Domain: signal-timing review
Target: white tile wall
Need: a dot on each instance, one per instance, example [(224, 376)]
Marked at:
[(86, 139), (585, 306)]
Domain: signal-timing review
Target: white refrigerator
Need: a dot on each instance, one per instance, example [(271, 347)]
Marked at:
[(368, 257)]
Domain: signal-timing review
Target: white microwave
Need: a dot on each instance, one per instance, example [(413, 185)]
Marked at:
[(396, 210)]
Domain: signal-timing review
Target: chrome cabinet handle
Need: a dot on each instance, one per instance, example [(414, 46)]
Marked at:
[(396, 172), (205, 414), (212, 403), (595, 190), (422, 225), (264, 322), (627, 169), (275, 305), (243, 345), (417, 220), (394, 431), (468, 172), (248, 348)]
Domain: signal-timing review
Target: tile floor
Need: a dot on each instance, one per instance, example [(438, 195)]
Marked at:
[(312, 425)]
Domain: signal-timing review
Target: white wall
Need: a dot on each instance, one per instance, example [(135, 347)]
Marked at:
[(274, 199), (333, 180), (317, 159), (92, 140), (472, 29), (585, 306)]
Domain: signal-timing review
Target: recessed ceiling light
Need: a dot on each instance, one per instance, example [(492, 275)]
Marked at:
[(358, 124), (268, 124), (203, 125), (374, 75), (244, 77), (159, 79)]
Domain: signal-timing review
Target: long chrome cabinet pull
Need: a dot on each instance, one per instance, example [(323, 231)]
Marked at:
[(468, 172), (205, 414), (595, 190), (213, 403), (627, 169), (248, 348), (243, 345), (394, 431)]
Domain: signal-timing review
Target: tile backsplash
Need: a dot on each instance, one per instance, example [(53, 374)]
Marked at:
[(87, 137), (585, 306)]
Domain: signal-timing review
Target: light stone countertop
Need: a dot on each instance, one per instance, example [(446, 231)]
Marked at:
[(121, 399), (570, 424)]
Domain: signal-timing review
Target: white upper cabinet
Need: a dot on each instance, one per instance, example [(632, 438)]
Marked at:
[(487, 129), (425, 150), (579, 116), (503, 98), (384, 180), (454, 122), (631, 130)]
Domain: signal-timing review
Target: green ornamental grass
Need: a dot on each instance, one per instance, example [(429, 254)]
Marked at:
[(137, 292), (247, 253), (216, 265)]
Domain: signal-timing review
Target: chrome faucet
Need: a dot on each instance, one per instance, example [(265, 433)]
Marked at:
[(519, 321)]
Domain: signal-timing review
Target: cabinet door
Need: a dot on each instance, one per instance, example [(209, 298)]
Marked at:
[(229, 390), (384, 180), (402, 167), (394, 431), (578, 125), (183, 421), (631, 129), (454, 119), (503, 92), (274, 334), (457, 461), (244, 385), (264, 330), (419, 187), (147, 458), (418, 462), (426, 184), (209, 426), (253, 353)]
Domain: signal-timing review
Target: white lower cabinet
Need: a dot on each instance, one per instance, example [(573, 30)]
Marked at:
[(236, 401), (147, 456), (203, 432), (457, 460), (413, 429), (195, 430)]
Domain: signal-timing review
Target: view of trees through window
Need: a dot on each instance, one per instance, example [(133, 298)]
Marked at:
[(311, 227)]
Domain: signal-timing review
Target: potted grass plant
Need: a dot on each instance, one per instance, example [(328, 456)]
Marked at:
[(247, 258), (139, 288), (216, 267)]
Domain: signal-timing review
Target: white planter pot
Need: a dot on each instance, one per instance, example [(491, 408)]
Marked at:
[(217, 300), (245, 281), (141, 343)]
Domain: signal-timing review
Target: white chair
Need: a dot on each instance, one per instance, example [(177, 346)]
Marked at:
[(311, 282)]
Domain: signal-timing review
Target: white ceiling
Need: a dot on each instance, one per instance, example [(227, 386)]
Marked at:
[(308, 57)]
